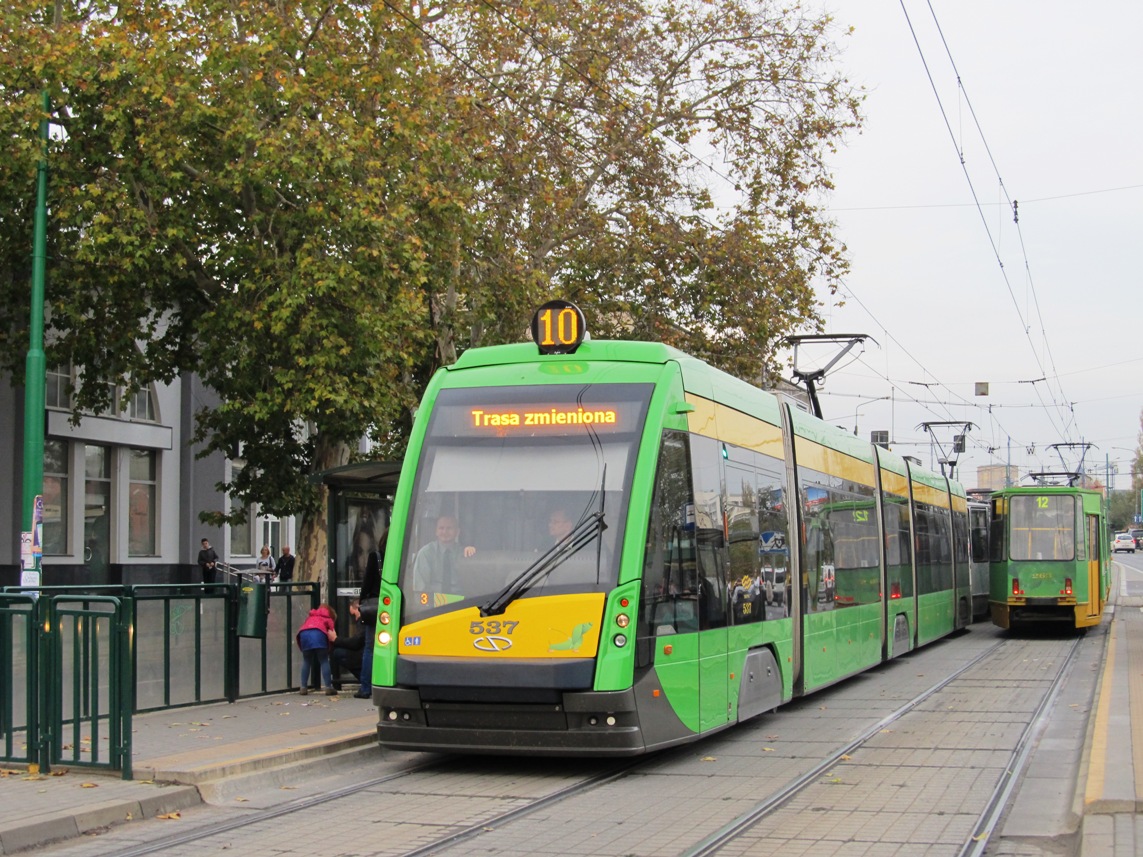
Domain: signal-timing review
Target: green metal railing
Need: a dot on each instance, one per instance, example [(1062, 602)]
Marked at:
[(88, 702), (76, 663), (19, 661)]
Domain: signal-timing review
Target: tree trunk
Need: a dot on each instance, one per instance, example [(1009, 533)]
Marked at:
[(313, 541)]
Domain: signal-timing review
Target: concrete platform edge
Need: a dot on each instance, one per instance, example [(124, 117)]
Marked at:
[(66, 824)]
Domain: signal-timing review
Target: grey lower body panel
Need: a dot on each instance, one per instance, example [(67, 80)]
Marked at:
[(587, 723)]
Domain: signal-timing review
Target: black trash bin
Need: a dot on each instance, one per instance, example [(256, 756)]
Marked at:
[(253, 605)]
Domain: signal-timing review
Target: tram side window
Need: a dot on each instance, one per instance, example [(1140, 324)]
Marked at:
[(1043, 527), (669, 561), (898, 546), (842, 543), (978, 523), (960, 537), (1080, 535), (758, 530), (998, 535), (710, 544), (934, 549), (742, 532)]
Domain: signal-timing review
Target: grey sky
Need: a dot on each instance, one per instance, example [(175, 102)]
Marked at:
[(1055, 88)]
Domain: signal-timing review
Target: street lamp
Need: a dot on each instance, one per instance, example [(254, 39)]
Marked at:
[(857, 410), (34, 373)]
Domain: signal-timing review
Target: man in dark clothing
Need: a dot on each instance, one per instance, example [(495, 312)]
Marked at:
[(207, 562), (285, 565), (347, 651)]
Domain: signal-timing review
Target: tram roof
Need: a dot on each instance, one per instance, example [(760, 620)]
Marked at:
[(591, 349)]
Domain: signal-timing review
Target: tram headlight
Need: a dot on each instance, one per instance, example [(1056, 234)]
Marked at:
[(620, 640), (384, 638)]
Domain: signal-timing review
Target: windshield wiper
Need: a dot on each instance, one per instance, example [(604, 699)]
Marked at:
[(580, 537)]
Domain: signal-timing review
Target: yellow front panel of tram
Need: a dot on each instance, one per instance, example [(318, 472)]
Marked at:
[(556, 626)]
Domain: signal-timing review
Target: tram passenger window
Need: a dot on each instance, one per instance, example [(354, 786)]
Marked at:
[(998, 537), (934, 549), (978, 521), (711, 549), (898, 546), (744, 593), (842, 562), (670, 552), (960, 537)]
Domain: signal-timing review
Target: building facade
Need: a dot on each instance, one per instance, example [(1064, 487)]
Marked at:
[(123, 490)]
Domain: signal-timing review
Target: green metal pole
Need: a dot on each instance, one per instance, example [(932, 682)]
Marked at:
[(34, 367)]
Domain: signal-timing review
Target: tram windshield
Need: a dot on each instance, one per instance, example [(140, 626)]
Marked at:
[(1044, 527), (508, 479)]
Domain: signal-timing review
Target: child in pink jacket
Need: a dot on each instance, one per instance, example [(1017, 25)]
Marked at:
[(314, 639)]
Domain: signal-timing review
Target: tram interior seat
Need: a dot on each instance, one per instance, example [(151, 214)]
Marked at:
[(679, 615)]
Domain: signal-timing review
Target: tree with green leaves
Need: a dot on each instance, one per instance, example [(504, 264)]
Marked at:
[(314, 205)]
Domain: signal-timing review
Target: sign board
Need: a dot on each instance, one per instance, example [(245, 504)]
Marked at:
[(29, 570), (27, 561), (38, 525)]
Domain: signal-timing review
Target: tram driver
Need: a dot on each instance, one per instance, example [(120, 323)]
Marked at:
[(435, 566)]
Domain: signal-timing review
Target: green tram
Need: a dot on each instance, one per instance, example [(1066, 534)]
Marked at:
[(608, 548), (1048, 557)]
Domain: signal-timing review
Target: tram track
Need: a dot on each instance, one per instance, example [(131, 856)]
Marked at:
[(452, 803), (578, 787), (269, 814), (978, 840)]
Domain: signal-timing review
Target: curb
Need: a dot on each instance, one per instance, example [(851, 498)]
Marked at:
[(66, 825), (259, 762)]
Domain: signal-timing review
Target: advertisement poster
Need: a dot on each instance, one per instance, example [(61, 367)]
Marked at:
[(29, 571)]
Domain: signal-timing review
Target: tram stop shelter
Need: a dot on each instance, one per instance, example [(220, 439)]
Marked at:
[(360, 507)]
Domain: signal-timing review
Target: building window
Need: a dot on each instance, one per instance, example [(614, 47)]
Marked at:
[(141, 406), (56, 470), (141, 499), (96, 506), (57, 393), (241, 535)]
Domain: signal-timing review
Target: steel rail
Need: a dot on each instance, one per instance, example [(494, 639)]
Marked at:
[(733, 829)]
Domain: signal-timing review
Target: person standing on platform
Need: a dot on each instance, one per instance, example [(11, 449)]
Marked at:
[(265, 564), (368, 612), (208, 562), (314, 639), (347, 651), (285, 565), (370, 593)]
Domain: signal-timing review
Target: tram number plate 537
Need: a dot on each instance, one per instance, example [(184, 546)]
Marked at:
[(485, 626)]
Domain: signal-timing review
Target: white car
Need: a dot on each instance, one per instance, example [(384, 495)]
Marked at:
[(1123, 542)]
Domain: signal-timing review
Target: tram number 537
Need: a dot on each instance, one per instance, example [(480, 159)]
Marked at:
[(492, 626)]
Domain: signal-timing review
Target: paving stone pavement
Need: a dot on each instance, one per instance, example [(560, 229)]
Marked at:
[(181, 756)]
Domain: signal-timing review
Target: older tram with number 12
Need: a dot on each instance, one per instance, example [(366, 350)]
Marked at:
[(1048, 556)]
